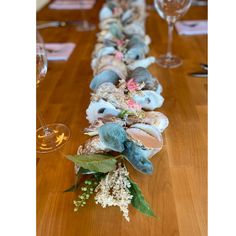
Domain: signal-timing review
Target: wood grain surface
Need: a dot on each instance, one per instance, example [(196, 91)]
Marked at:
[(177, 190)]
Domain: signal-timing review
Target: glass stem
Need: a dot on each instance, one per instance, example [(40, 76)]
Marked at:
[(84, 22), (41, 120), (170, 39), (43, 124)]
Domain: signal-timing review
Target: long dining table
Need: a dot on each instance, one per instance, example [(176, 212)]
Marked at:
[(177, 190)]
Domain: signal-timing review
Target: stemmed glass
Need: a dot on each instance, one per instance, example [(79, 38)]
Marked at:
[(49, 137), (171, 10), (84, 25)]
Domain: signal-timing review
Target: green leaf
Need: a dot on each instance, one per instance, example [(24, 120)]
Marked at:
[(73, 188), (138, 200), (95, 162), (98, 176), (122, 114), (84, 171)]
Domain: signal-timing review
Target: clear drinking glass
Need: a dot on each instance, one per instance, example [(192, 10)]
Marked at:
[(171, 10), (53, 136)]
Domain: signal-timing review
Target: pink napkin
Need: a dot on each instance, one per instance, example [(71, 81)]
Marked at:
[(191, 27), (59, 51), (72, 4)]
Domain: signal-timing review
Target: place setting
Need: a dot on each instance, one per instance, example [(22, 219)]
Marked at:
[(82, 6)]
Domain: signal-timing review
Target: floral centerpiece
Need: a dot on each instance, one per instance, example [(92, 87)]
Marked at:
[(123, 124)]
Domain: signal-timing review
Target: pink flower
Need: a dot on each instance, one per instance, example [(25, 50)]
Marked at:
[(119, 55), (119, 42), (132, 85), (133, 105), (117, 10)]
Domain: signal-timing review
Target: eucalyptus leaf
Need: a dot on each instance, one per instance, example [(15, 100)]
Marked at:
[(138, 157), (113, 136), (138, 200), (116, 31), (95, 162)]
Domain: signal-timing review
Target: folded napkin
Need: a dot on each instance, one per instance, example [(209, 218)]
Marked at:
[(59, 51), (191, 27), (72, 4)]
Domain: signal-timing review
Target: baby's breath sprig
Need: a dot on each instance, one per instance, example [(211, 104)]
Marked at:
[(88, 190)]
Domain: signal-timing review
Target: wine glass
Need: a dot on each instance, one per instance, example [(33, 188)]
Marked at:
[(171, 10), (84, 25), (49, 137)]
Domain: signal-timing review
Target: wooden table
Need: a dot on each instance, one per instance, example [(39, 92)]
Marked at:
[(177, 190)]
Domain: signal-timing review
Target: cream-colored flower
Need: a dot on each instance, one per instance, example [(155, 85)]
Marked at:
[(113, 190)]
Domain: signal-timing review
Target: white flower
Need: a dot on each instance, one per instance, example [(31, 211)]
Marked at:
[(113, 190)]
